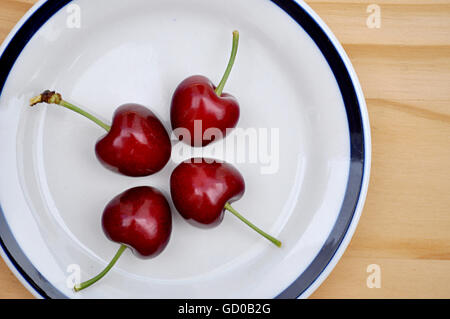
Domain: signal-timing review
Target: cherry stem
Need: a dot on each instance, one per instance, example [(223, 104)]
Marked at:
[(51, 97), (222, 83), (92, 281), (275, 241)]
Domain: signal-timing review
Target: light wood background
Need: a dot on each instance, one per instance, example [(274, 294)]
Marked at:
[(404, 69)]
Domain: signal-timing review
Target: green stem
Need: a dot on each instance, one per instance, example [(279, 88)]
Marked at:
[(267, 236), (51, 97), (222, 83), (85, 114), (92, 281)]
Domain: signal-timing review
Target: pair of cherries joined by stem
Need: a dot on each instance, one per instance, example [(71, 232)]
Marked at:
[(137, 144)]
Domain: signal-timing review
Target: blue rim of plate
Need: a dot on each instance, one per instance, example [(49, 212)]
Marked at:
[(357, 148)]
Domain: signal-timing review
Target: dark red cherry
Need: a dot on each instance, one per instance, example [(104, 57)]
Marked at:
[(139, 219), (202, 110), (202, 189), (137, 143), (195, 103)]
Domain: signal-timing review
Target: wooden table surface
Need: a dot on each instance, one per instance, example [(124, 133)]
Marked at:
[(404, 70)]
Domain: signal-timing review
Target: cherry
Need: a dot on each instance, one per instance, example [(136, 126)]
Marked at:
[(199, 107), (137, 144), (138, 218), (202, 189)]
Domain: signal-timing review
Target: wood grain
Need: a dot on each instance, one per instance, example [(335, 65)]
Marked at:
[(404, 69)]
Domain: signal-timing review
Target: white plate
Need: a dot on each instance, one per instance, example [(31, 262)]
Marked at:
[(290, 73)]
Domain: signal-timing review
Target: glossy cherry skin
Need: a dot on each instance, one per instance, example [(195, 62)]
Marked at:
[(139, 218), (200, 188), (137, 144), (195, 100)]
